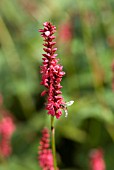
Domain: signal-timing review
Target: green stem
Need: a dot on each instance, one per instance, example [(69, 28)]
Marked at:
[(53, 142)]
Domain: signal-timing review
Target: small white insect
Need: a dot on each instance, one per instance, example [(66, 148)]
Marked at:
[(64, 107)]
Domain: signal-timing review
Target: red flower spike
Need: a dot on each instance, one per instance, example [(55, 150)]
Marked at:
[(51, 72)]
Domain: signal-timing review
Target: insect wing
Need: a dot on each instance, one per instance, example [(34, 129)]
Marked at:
[(69, 103), (66, 112)]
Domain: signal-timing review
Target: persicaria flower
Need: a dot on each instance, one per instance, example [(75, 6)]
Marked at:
[(7, 128), (96, 160), (45, 154), (51, 72)]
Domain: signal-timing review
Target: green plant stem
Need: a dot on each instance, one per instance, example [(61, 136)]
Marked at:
[(53, 142)]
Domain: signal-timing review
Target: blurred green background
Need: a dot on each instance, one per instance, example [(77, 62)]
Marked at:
[(85, 41)]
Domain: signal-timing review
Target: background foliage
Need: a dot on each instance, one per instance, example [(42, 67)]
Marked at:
[(85, 41)]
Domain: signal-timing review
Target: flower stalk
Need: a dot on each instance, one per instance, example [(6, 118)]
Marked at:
[(53, 142)]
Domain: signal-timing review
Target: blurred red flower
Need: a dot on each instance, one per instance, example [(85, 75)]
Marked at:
[(96, 160)]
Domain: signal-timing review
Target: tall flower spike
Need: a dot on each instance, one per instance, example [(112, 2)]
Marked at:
[(51, 72), (45, 154)]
